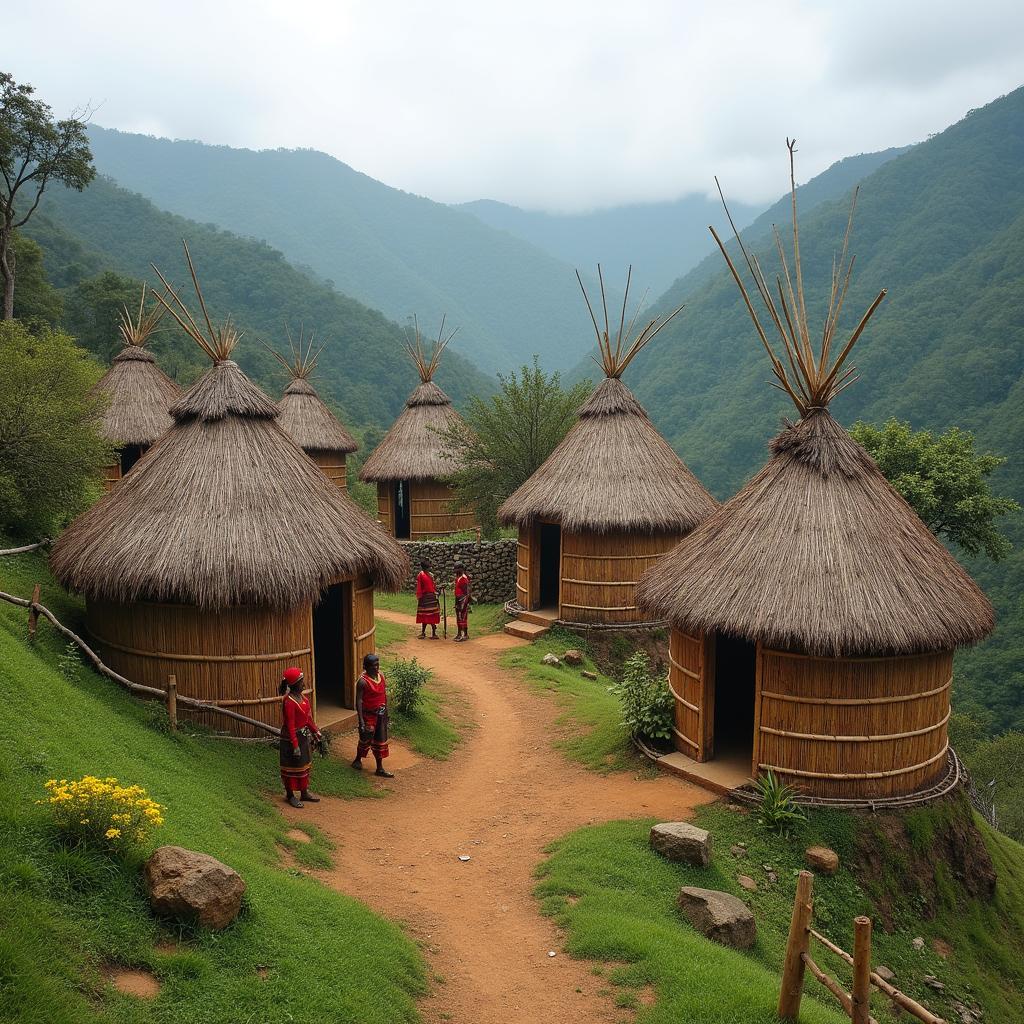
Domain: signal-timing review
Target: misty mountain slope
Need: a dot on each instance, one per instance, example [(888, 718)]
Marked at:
[(363, 369), (392, 250)]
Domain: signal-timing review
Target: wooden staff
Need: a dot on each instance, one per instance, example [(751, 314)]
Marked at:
[(444, 605)]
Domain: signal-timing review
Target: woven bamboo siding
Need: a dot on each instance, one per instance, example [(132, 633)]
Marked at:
[(333, 466), (691, 677), (855, 727), (526, 591), (363, 631), (429, 511), (385, 492), (229, 657), (111, 475), (600, 570)]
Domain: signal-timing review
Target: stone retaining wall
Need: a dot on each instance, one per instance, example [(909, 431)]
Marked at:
[(491, 565)]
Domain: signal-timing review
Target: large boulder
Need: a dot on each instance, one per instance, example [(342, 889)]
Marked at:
[(821, 858), (719, 916), (573, 657), (193, 886), (679, 840)]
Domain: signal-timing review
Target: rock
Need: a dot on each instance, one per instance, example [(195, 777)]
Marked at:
[(747, 882), (589, 675), (679, 840), (821, 858), (932, 982), (550, 659), (718, 916), (193, 886), (573, 657), (885, 974), (738, 850), (918, 943), (772, 877)]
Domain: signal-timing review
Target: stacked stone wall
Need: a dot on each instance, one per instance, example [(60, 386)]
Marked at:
[(491, 565)]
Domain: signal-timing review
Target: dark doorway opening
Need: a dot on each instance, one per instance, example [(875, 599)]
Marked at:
[(735, 675), (401, 510), (550, 564), (332, 632), (130, 454)]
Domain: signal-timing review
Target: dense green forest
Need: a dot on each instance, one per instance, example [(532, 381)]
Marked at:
[(663, 241), (363, 371), (942, 227), (394, 251)]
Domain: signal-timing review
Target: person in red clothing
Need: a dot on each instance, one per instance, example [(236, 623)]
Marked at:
[(372, 712), (297, 732), (463, 599), (428, 611)]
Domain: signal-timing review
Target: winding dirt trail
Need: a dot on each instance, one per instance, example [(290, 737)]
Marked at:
[(502, 796)]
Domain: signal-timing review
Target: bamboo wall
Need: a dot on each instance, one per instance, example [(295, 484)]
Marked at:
[(111, 475), (527, 573), (363, 629), (691, 666), (600, 572), (429, 514), (332, 464)]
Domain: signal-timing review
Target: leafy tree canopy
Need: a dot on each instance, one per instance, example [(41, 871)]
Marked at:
[(507, 437), (944, 480), (51, 450), (37, 301)]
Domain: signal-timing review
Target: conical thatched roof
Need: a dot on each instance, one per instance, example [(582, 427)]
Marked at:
[(140, 394), (308, 421), (225, 510), (612, 471), (819, 553), (413, 449)]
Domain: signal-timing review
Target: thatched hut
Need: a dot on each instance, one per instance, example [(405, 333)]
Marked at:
[(139, 394), (409, 467), (607, 504), (814, 615), (226, 555), (306, 418)]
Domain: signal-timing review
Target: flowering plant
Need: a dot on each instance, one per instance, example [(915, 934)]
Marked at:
[(102, 812)]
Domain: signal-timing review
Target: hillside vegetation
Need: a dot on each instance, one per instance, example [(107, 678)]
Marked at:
[(362, 371), (942, 227), (395, 251)]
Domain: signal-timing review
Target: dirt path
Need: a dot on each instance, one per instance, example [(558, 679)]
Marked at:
[(502, 796)]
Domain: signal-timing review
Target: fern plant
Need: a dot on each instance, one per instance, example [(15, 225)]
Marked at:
[(779, 810)]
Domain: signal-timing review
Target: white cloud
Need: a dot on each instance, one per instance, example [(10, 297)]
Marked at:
[(548, 104)]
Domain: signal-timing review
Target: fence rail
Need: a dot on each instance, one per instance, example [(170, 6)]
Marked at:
[(856, 1002)]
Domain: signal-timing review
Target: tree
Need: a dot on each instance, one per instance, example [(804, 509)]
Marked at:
[(35, 149), (95, 306), (506, 439), (37, 301), (51, 450), (944, 480)]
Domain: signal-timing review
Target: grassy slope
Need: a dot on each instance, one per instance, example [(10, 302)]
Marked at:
[(321, 951)]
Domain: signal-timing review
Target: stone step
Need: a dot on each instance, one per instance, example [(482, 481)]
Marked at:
[(541, 617), (526, 630)]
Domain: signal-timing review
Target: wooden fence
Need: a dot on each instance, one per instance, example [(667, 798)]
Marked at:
[(169, 695), (856, 1002)]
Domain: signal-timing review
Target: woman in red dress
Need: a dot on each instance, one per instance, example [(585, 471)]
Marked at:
[(372, 712), (297, 732), (428, 611), (463, 599)]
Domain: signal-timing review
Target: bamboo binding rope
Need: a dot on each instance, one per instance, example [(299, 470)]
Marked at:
[(856, 739), (228, 658), (848, 776)]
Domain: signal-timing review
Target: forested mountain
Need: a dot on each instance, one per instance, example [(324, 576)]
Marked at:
[(362, 370), (394, 251), (942, 227)]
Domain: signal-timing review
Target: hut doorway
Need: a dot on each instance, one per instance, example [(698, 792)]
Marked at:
[(401, 509), (130, 454), (735, 679), (550, 565), (332, 646)]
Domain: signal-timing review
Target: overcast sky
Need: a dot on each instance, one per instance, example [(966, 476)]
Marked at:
[(559, 104)]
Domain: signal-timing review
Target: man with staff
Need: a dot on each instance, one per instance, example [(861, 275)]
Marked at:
[(428, 609)]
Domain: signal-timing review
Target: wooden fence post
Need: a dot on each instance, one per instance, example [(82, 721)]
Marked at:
[(172, 702), (33, 613), (861, 991), (796, 946)]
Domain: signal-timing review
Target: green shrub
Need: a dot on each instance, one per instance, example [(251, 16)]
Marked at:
[(779, 810), (405, 685), (647, 705)]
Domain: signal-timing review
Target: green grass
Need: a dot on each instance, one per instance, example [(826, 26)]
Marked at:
[(321, 952), (616, 899), (590, 718)]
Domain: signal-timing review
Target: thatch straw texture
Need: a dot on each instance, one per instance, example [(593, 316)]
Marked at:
[(225, 510), (412, 449), (818, 553), (612, 471), (308, 421), (140, 394)]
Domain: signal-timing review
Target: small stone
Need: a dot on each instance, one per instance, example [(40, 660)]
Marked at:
[(681, 841), (193, 886), (747, 882), (738, 850), (573, 657), (918, 943), (932, 982), (551, 952), (550, 659), (772, 877), (464, 857), (767, 867), (885, 973), (718, 916), (821, 858), (588, 675)]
